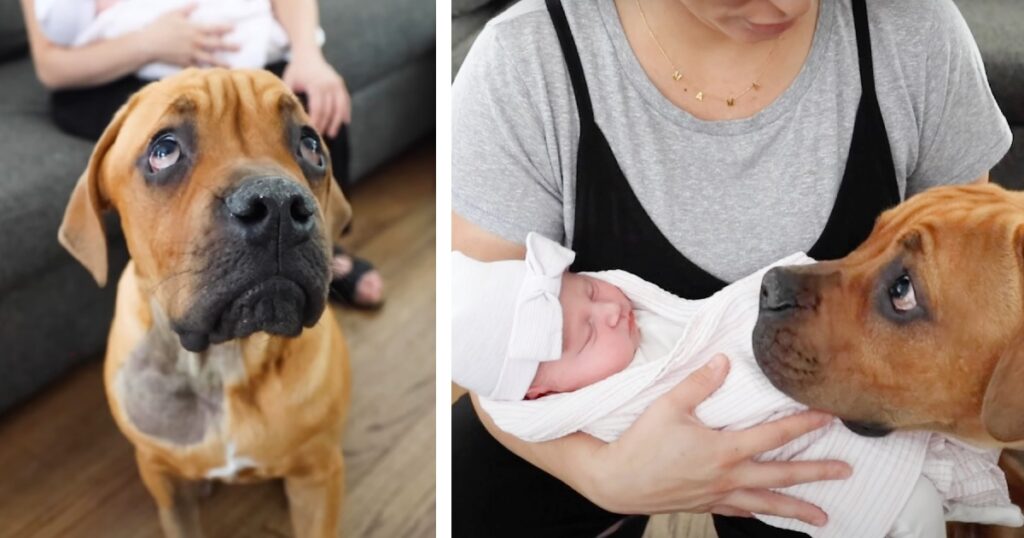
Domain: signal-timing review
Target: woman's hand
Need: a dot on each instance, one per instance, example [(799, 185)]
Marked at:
[(327, 97), (174, 39), (667, 461)]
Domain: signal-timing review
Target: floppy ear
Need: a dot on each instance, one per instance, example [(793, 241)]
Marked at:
[(82, 231), (1002, 410), (338, 212)]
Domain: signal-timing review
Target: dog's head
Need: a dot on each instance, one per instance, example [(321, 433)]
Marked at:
[(921, 327), (227, 202)]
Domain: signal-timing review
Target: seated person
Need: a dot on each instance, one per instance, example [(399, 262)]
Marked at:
[(552, 353)]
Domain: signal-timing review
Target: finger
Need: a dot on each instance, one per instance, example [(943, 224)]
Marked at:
[(327, 116), (346, 104), (776, 433), (335, 115), (762, 501), (287, 77), (228, 46), (212, 43), (697, 386), (726, 510), (338, 116), (203, 58), (207, 42), (216, 30), (316, 107), (784, 474), (187, 9)]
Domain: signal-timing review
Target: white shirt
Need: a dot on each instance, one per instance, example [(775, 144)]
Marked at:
[(261, 38)]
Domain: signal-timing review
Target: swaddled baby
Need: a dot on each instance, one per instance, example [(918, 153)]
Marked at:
[(259, 38), (551, 353)]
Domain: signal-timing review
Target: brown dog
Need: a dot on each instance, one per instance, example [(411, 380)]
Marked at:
[(222, 362), (921, 327)]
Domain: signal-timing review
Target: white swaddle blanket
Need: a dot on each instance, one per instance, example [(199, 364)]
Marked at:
[(679, 336), (260, 37)]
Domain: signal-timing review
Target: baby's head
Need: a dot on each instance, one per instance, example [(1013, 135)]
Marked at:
[(528, 328), (599, 336)]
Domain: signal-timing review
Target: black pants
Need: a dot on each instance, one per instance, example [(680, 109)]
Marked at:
[(85, 112), (496, 493)]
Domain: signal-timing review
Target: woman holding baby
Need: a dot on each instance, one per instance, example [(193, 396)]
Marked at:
[(692, 142)]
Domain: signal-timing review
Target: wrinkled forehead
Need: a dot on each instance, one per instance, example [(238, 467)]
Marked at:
[(941, 215), (232, 102)]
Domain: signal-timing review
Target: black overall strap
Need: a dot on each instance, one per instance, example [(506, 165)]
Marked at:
[(572, 61), (869, 184), (867, 67), (612, 229)]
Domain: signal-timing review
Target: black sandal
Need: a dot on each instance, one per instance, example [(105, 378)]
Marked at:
[(342, 289)]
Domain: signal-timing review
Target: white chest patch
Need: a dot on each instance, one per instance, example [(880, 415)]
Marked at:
[(233, 463)]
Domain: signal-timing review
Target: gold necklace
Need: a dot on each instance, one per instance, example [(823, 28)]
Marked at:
[(677, 75)]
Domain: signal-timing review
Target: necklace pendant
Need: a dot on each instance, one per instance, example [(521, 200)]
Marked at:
[(699, 96), (730, 101), (676, 75), (755, 86)]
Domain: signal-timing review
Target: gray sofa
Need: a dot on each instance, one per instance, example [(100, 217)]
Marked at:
[(998, 27), (52, 315), (468, 18)]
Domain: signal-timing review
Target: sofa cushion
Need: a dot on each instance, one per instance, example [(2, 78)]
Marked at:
[(997, 27), (367, 40), (465, 28), (40, 167), (57, 319), (22, 93), (13, 41), (462, 7), (1009, 172)]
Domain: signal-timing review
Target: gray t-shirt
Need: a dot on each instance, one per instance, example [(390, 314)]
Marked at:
[(734, 195)]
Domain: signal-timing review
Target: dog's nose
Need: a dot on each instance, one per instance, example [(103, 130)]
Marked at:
[(778, 290), (268, 208)]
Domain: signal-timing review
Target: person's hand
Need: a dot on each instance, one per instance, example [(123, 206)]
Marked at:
[(103, 5), (327, 97), (174, 39), (667, 461)]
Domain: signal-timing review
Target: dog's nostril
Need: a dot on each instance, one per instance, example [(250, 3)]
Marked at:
[(253, 212), (770, 301), (272, 209), (777, 291), (300, 211)]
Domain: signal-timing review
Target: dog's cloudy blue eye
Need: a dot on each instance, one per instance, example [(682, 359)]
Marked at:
[(164, 152), (902, 295), (309, 149)]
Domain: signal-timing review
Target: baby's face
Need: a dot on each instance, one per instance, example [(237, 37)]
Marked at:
[(599, 336)]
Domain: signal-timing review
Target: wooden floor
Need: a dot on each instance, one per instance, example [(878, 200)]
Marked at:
[(66, 471)]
